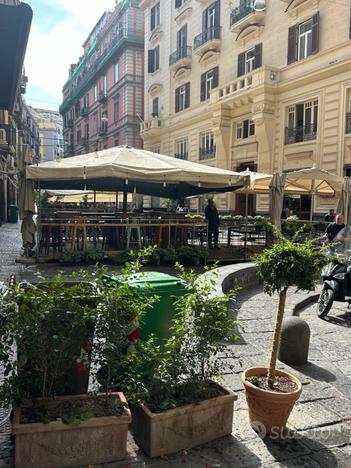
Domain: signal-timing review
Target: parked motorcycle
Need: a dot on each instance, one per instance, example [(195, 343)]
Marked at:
[(336, 275)]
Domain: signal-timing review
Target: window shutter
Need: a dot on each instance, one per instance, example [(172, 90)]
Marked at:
[(151, 64), (315, 33), (241, 64), (217, 14), (204, 20), (292, 44), (187, 95), (152, 19), (215, 77), (178, 3), (157, 58), (258, 55), (177, 100), (203, 87)]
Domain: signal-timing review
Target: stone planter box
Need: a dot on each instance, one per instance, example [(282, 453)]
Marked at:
[(58, 445), (184, 427)]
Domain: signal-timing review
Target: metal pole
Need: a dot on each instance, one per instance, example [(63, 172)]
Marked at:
[(94, 198), (125, 196), (246, 215), (116, 204)]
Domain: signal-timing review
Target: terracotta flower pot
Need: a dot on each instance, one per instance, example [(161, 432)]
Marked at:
[(269, 411), (58, 445), (183, 427)]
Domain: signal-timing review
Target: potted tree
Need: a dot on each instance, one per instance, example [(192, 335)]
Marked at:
[(270, 393), (177, 403), (66, 430)]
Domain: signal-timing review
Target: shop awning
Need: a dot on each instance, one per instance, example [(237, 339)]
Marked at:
[(15, 22)]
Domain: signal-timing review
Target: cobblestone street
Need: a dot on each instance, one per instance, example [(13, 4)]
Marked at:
[(321, 421)]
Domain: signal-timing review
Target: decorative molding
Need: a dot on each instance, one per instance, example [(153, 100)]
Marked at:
[(296, 7), (181, 73), (155, 88), (183, 14), (209, 57), (252, 32), (156, 34)]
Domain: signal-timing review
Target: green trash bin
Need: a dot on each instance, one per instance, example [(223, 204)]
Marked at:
[(157, 318), (12, 216)]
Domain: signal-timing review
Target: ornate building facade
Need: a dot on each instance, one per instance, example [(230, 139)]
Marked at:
[(103, 97), (264, 85)]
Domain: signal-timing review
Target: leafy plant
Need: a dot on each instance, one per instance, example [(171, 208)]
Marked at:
[(194, 355), (49, 324), (283, 265), (120, 306)]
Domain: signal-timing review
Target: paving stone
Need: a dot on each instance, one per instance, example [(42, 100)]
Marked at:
[(299, 462), (332, 458), (336, 435), (311, 414)]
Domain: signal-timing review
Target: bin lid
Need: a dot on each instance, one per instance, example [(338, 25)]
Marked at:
[(156, 280)]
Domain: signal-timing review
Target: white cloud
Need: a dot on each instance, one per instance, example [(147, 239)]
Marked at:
[(49, 54)]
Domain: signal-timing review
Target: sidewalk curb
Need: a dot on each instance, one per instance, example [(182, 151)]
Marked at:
[(244, 275)]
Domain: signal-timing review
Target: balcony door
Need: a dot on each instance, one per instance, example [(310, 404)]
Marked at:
[(182, 40), (210, 18)]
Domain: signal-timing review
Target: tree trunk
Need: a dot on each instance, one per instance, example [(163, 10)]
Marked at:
[(276, 337)]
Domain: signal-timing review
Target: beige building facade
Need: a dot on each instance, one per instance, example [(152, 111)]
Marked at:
[(264, 85)]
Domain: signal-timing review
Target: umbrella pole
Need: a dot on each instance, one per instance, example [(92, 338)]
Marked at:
[(38, 220), (125, 195), (246, 215), (116, 203), (94, 198)]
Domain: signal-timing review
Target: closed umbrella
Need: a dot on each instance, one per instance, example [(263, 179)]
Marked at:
[(276, 189), (344, 200), (26, 187)]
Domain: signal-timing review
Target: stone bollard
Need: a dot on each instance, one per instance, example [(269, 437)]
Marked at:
[(294, 341)]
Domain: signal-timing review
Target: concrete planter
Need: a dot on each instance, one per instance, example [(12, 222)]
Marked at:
[(184, 427), (58, 445), (269, 411)]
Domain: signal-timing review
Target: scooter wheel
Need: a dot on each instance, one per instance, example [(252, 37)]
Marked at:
[(325, 301)]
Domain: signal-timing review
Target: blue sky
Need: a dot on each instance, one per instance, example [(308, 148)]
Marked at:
[(58, 31)]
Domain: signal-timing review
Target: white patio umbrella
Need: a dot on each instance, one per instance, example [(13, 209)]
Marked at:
[(344, 200), (313, 181), (276, 198), (125, 169)]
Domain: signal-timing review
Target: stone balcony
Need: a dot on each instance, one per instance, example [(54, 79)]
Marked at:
[(209, 39), (152, 126), (245, 85), (246, 18), (180, 58)]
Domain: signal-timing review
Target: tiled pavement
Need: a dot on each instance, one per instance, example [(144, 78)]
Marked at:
[(320, 423)]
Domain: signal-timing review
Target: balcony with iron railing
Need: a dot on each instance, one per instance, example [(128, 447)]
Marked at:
[(182, 155), (244, 16), (89, 71), (84, 111), (265, 77), (207, 153), (181, 57), (103, 129), (9, 133), (300, 134), (103, 96), (210, 38), (152, 126), (348, 122)]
